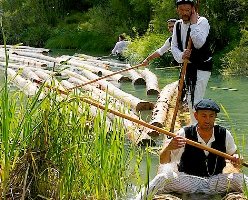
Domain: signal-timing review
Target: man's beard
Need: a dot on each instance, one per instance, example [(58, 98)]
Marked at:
[(185, 18)]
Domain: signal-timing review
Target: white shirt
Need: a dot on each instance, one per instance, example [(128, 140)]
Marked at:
[(230, 145), (119, 47), (198, 34), (166, 47)]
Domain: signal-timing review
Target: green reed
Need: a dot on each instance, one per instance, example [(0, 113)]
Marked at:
[(15, 129), (240, 144), (55, 148)]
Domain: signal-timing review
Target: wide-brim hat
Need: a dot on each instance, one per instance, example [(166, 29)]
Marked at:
[(207, 104)]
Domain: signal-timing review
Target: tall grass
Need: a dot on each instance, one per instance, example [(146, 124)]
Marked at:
[(241, 143), (55, 148)]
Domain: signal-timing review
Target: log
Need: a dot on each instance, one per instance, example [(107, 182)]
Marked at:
[(63, 58), (129, 99), (35, 55), (114, 64), (96, 60), (28, 60), (152, 87), (13, 65), (136, 78), (24, 60), (97, 64), (99, 71), (28, 73), (50, 80), (135, 133), (25, 48), (78, 76), (161, 108), (29, 88)]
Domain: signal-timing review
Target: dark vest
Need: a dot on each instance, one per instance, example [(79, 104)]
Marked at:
[(173, 62), (195, 162), (199, 57)]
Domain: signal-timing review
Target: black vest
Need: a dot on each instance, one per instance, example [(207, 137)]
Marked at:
[(195, 162), (173, 62), (199, 57)]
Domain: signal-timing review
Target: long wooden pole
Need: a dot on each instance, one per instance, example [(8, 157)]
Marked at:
[(145, 124), (103, 77), (160, 130), (183, 72), (180, 88)]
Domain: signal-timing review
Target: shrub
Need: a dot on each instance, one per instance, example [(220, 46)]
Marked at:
[(141, 47), (235, 62)]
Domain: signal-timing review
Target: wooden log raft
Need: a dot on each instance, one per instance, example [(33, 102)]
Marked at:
[(161, 108), (129, 99), (152, 87)]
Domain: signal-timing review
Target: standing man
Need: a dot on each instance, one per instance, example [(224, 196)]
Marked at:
[(187, 169), (120, 46), (199, 67), (165, 48)]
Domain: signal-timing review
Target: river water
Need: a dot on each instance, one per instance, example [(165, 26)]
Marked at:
[(229, 92)]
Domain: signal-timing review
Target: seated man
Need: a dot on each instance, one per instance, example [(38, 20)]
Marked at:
[(198, 171)]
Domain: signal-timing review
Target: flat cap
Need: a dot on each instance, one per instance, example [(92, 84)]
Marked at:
[(207, 104), (179, 2), (171, 20)]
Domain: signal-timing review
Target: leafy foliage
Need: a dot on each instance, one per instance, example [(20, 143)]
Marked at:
[(235, 62), (76, 24)]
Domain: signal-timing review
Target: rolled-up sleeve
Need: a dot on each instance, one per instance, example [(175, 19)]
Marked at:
[(199, 32), (164, 48), (231, 147), (177, 154)]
